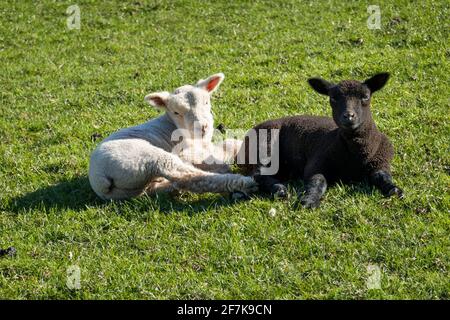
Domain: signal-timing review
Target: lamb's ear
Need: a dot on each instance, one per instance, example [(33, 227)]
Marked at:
[(320, 85), (212, 83), (377, 81), (158, 99)]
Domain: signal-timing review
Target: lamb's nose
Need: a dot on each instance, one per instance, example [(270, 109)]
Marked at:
[(349, 115)]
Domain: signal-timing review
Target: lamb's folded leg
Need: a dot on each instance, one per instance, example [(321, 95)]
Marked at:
[(271, 185), (316, 186), (382, 180), (185, 176)]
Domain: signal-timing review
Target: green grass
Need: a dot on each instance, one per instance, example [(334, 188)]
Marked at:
[(58, 87)]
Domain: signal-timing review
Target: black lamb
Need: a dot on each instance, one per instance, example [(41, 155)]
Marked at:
[(323, 150)]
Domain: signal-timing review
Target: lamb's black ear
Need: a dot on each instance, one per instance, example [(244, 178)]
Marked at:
[(377, 81), (320, 85)]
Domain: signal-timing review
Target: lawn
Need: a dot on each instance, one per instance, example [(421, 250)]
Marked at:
[(62, 89)]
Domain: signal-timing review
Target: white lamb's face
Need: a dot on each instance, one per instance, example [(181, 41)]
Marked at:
[(189, 106)]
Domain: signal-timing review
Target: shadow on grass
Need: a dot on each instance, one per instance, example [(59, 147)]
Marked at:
[(351, 188), (73, 193), (76, 194)]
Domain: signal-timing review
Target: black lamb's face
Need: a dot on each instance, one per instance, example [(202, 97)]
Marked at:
[(350, 99), (350, 102)]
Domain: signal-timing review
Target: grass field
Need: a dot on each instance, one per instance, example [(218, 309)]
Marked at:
[(61, 87)]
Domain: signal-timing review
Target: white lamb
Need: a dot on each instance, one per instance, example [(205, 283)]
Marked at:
[(140, 159)]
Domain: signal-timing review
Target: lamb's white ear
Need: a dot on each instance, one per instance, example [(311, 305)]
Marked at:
[(158, 99), (212, 83)]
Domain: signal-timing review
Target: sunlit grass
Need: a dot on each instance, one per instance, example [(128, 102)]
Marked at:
[(60, 87)]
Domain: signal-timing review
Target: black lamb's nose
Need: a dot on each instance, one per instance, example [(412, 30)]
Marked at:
[(349, 115)]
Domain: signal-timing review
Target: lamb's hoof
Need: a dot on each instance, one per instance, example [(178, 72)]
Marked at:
[(395, 191), (309, 202), (279, 190), (239, 196)]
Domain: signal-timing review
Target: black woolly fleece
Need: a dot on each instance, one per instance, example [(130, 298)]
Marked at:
[(314, 144)]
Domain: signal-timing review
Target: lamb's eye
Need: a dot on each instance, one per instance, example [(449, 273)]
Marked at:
[(332, 99), (176, 113), (365, 98)]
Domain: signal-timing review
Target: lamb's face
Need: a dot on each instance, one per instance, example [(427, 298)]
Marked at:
[(350, 99), (350, 102), (189, 107)]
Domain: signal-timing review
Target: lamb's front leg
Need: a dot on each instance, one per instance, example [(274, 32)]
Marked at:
[(270, 184), (316, 186), (382, 180)]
